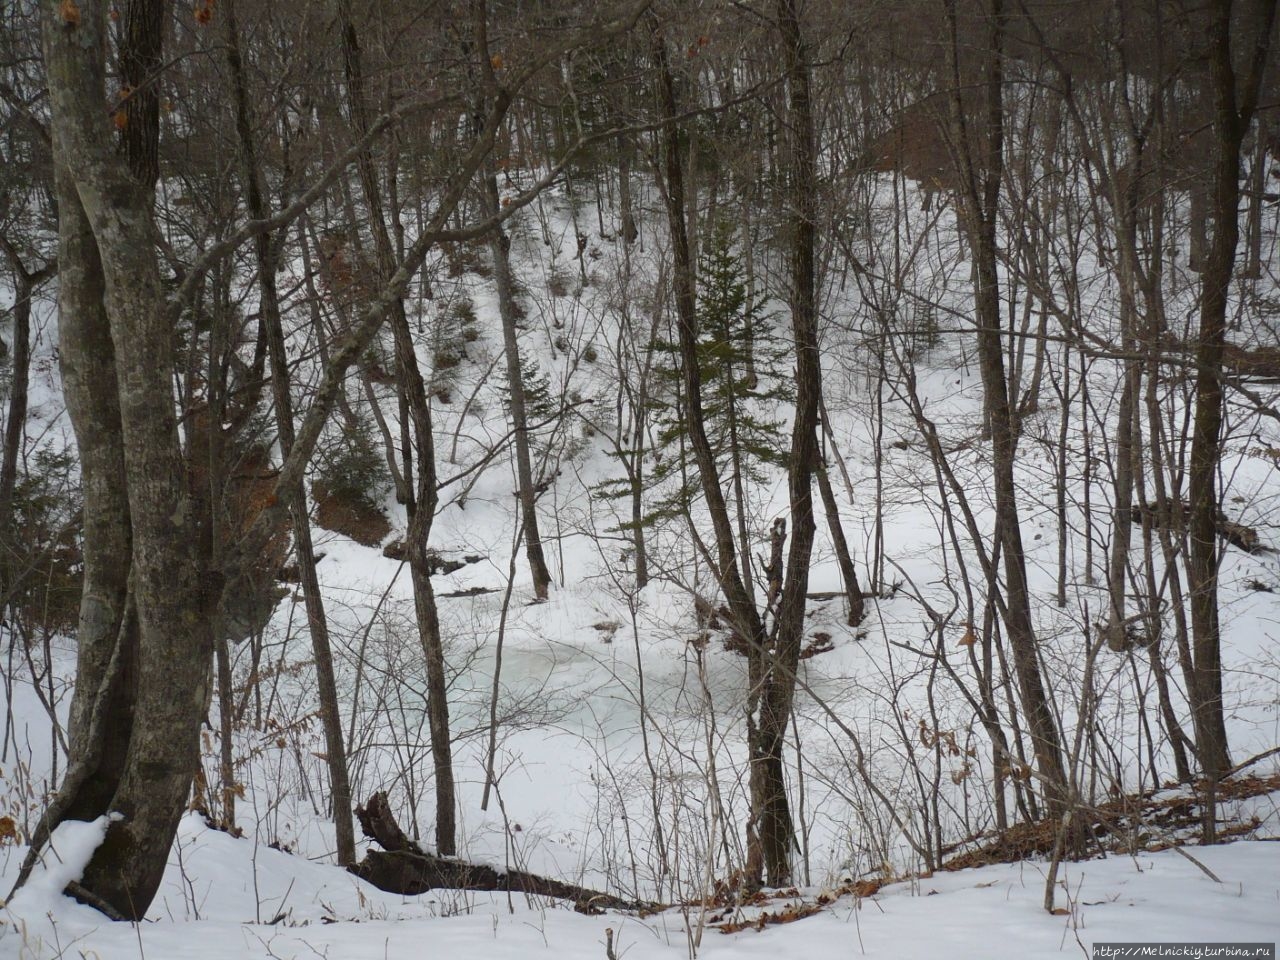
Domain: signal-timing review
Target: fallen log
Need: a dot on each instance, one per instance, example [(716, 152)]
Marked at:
[(436, 562), (403, 867), (468, 592), (1164, 514)]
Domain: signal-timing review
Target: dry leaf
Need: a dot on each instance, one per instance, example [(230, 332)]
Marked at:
[(968, 640), (69, 12)]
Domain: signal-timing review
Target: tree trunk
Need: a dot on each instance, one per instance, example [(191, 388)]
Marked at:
[(770, 811), (1230, 123), (1128, 459), (405, 868), (746, 618), (981, 186), (626, 211), (527, 494), (25, 284), (105, 678), (171, 594), (422, 507), (844, 559), (1257, 203), (295, 494), (16, 419)]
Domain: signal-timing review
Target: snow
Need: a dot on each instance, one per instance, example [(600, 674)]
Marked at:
[(597, 780), (225, 899), (63, 862)]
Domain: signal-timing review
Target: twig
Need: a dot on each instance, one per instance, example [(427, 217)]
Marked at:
[(1207, 872), (1251, 761), (489, 780), (87, 896)]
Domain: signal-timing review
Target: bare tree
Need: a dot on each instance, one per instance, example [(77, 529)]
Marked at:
[(266, 247), (111, 281), (772, 670), (144, 655), (422, 501), (979, 155), (1235, 100), (508, 309)]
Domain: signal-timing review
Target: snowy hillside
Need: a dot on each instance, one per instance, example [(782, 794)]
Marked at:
[(619, 747), (638, 480)]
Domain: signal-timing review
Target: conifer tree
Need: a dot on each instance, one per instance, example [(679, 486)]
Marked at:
[(744, 377)]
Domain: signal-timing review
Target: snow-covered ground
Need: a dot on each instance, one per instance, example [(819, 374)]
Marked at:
[(226, 899), (620, 748)]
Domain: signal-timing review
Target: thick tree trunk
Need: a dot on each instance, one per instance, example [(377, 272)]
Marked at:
[(105, 679), (89, 384), (170, 593)]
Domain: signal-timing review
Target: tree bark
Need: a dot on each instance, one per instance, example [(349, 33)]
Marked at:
[(771, 833), (1233, 109), (295, 494), (421, 507), (527, 494), (980, 194), (107, 641), (171, 595)]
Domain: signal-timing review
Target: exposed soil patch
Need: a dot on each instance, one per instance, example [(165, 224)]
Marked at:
[(363, 523)]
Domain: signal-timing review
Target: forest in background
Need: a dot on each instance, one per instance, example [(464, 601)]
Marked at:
[(937, 340)]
